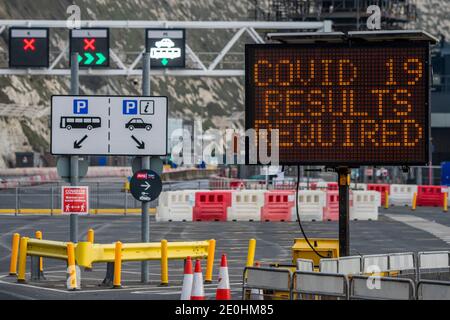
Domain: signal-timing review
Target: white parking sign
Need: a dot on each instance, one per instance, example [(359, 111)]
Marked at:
[(109, 125)]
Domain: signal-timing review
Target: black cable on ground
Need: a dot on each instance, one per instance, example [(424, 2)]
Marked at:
[(298, 215)]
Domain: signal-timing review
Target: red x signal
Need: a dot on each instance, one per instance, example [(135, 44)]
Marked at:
[(29, 44), (89, 44)]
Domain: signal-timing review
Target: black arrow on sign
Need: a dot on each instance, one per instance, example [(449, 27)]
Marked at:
[(77, 144), (141, 144)]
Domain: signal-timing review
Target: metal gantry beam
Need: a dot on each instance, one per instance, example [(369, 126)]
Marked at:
[(200, 68)]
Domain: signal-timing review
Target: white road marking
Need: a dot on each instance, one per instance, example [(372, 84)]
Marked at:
[(438, 230)]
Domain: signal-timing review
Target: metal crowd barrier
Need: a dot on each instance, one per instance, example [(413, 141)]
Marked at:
[(433, 290), (434, 265), (381, 288), (394, 278), (270, 280), (319, 286)]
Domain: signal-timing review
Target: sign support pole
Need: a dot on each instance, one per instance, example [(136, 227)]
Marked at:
[(344, 219), (74, 90), (145, 165)]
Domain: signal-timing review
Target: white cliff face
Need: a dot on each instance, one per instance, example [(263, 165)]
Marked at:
[(214, 99)]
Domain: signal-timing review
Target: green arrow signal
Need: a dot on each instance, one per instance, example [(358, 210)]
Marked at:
[(164, 61), (101, 58), (89, 57), (80, 58)]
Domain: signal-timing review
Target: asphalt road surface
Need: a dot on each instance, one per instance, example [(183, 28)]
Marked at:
[(397, 230)]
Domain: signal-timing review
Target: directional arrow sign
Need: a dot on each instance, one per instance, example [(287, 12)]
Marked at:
[(92, 45), (145, 185), (109, 125), (141, 144), (77, 144), (89, 57), (101, 58)]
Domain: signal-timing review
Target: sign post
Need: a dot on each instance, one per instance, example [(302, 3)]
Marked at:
[(344, 210), (145, 165), (74, 89)]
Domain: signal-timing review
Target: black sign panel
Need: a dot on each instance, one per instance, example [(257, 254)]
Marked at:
[(335, 104), (167, 47), (28, 47), (145, 185), (92, 46)]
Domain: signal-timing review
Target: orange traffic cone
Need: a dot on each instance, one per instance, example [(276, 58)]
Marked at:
[(187, 280), (223, 291), (198, 292)]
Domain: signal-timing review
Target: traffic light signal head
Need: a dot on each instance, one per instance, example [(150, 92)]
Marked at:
[(92, 46), (28, 47)]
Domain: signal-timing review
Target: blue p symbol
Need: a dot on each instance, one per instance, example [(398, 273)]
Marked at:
[(80, 106), (129, 107)]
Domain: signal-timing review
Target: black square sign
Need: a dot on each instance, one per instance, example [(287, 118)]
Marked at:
[(92, 46), (167, 47), (28, 47)]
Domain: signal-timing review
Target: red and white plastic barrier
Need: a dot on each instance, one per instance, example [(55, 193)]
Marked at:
[(402, 194), (246, 205), (310, 205), (365, 205), (176, 206)]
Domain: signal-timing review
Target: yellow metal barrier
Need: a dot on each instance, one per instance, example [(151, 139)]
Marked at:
[(210, 261), (329, 248), (164, 263), (251, 252), (445, 209), (90, 238), (14, 254), (386, 200), (41, 261), (117, 265), (22, 259), (72, 283), (414, 203), (47, 249), (86, 253)]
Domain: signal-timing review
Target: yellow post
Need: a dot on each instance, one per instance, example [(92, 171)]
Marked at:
[(251, 252), (117, 265), (22, 259), (164, 263), (413, 207), (90, 238), (386, 200), (210, 261), (445, 201), (14, 254), (72, 283), (41, 261)]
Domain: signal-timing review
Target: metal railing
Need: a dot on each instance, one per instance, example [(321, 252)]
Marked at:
[(104, 197)]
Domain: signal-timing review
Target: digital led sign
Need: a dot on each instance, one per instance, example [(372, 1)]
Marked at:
[(92, 46), (28, 47), (336, 104), (166, 47)]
